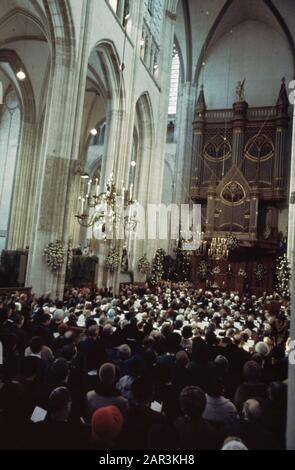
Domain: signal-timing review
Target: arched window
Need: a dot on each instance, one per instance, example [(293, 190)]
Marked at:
[(10, 126), (174, 83)]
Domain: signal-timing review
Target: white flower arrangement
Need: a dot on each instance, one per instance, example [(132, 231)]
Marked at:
[(54, 255), (112, 261), (216, 270), (144, 265), (260, 272), (233, 242), (283, 277), (70, 254), (203, 270)]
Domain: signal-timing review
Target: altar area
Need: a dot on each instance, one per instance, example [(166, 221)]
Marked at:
[(245, 270)]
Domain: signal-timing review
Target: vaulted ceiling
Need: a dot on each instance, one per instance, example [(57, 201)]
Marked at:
[(205, 22)]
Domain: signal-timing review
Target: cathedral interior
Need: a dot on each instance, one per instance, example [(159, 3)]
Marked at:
[(112, 108)]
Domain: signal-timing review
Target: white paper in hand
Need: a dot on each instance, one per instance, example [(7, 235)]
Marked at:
[(38, 415), (156, 406)]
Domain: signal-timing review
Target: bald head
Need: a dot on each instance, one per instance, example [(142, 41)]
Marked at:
[(182, 358), (107, 374), (252, 410)]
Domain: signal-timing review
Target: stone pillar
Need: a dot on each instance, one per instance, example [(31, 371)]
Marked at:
[(282, 121), (54, 204), (198, 142), (113, 152), (119, 130), (24, 189), (158, 154), (291, 257), (239, 122), (159, 150), (291, 376), (291, 215)]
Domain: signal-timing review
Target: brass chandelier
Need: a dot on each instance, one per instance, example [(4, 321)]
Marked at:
[(219, 248), (110, 206)]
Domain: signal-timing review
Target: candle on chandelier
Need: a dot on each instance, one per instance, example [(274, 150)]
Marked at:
[(97, 187), (89, 188), (131, 192), (82, 205), (123, 190)]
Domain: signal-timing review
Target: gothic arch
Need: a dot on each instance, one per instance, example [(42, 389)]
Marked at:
[(62, 32), (111, 67), (20, 11), (57, 30), (221, 15), (26, 93)]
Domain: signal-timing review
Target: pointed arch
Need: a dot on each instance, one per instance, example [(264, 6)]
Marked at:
[(226, 7), (25, 87), (19, 11), (62, 31), (209, 37), (112, 75), (283, 25)]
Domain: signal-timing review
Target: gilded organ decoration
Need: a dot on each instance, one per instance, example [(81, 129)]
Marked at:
[(233, 193), (259, 147), (238, 167), (217, 149)]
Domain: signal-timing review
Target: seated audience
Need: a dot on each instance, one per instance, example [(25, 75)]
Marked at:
[(152, 368), (193, 431), (105, 393)]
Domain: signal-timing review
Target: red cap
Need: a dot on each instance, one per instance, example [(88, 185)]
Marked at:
[(106, 423)]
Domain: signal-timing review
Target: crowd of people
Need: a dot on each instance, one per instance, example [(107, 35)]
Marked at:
[(173, 368)]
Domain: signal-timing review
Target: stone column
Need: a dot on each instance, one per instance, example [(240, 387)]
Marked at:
[(115, 120), (54, 206), (291, 257), (153, 149), (198, 143), (119, 139), (282, 121), (185, 141), (165, 62), (25, 182)]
